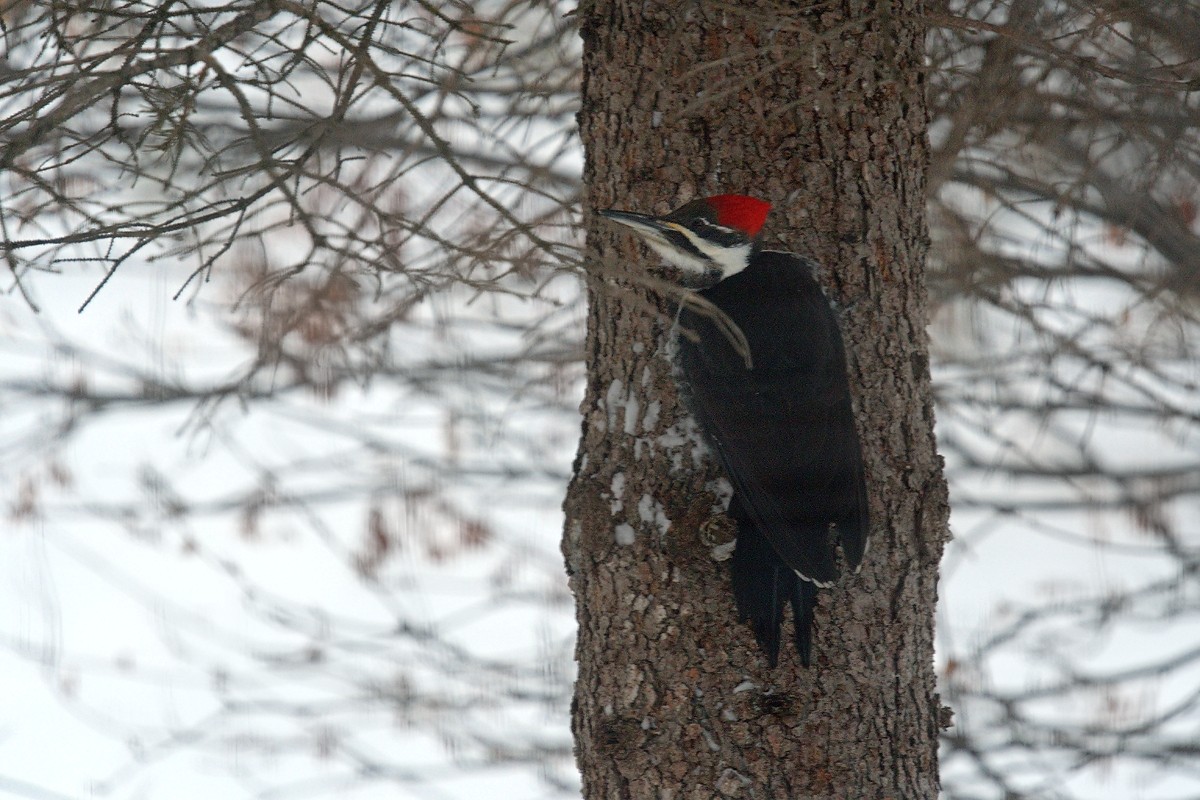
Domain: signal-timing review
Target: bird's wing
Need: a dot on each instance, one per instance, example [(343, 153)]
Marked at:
[(783, 429)]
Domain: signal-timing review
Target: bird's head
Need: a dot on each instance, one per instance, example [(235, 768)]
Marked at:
[(709, 239)]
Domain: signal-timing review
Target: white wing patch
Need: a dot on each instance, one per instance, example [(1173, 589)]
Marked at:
[(803, 577)]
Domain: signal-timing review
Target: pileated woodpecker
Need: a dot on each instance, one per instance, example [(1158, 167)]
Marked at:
[(779, 420)]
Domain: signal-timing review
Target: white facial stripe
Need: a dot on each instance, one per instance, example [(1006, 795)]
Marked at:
[(674, 255), (653, 236), (729, 260), (708, 258)]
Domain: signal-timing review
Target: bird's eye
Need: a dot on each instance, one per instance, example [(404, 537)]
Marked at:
[(713, 232)]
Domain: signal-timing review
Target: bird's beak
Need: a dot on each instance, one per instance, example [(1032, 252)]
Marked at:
[(641, 223)]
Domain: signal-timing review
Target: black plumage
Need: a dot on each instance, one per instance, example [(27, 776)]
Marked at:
[(784, 431)]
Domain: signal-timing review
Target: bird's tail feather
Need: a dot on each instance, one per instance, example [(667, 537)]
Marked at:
[(763, 585), (804, 600)]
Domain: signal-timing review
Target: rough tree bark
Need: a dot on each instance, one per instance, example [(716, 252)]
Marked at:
[(818, 107)]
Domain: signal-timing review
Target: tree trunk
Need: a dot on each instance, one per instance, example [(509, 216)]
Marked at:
[(818, 107)]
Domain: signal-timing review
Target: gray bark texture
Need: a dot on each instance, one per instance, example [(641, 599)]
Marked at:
[(819, 108)]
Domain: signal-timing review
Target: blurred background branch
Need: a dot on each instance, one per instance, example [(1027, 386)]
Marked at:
[(324, 479)]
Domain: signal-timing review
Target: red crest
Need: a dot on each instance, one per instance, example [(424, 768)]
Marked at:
[(740, 211)]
